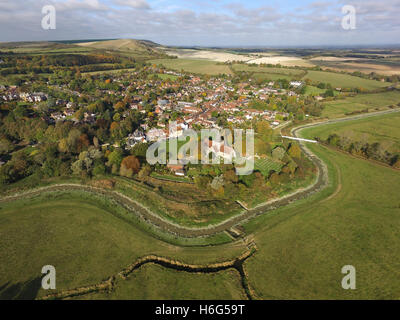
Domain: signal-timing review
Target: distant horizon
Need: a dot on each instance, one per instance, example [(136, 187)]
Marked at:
[(233, 46), (207, 23)]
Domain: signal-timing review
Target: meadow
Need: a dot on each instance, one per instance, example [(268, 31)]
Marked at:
[(384, 129), (194, 66), (338, 80), (303, 247), (165, 76), (85, 241), (270, 70), (155, 282), (339, 108)]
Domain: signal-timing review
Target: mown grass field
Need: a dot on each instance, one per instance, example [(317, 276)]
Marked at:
[(111, 71), (384, 129), (355, 221), (266, 165), (194, 66), (338, 80), (271, 70), (164, 76), (154, 282), (83, 241), (311, 90), (269, 73), (338, 108)]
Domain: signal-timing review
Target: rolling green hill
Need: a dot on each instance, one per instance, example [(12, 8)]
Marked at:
[(126, 45)]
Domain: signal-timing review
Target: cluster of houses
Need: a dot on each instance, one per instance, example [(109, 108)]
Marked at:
[(12, 94), (197, 102)]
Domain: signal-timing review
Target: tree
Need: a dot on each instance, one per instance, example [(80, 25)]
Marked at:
[(264, 130), (144, 172), (83, 142), (295, 151), (5, 146), (247, 180), (278, 153), (115, 158), (231, 176), (202, 182), (129, 166), (140, 150), (77, 167), (72, 140), (329, 93), (99, 169)]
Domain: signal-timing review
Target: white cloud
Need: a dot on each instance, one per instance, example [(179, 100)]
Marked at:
[(137, 4), (236, 24)]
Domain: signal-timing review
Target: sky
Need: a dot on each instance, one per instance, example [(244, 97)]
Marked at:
[(268, 23)]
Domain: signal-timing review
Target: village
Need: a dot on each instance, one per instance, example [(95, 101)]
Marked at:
[(193, 103)]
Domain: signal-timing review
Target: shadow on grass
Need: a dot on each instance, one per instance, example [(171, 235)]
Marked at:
[(21, 291)]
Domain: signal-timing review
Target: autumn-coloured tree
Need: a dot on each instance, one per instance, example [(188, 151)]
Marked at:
[(83, 142), (119, 106), (114, 126), (295, 151), (131, 163)]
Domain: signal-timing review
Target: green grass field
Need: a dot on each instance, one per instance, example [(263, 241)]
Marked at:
[(154, 282), (314, 91), (260, 76), (86, 243), (266, 165), (338, 108), (170, 177), (355, 221), (116, 71), (384, 129), (302, 247), (344, 80), (164, 76), (269, 73), (193, 66), (272, 70)]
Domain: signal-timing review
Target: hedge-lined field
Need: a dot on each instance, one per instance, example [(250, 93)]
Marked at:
[(194, 66), (303, 247), (339, 108), (154, 282), (83, 240), (344, 80), (384, 129)]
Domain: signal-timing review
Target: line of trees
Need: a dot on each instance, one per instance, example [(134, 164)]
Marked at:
[(375, 151)]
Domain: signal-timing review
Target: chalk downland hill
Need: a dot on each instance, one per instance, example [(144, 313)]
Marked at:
[(128, 45)]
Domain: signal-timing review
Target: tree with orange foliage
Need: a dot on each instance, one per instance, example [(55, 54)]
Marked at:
[(114, 126), (83, 142), (119, 106), (129, 166)]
